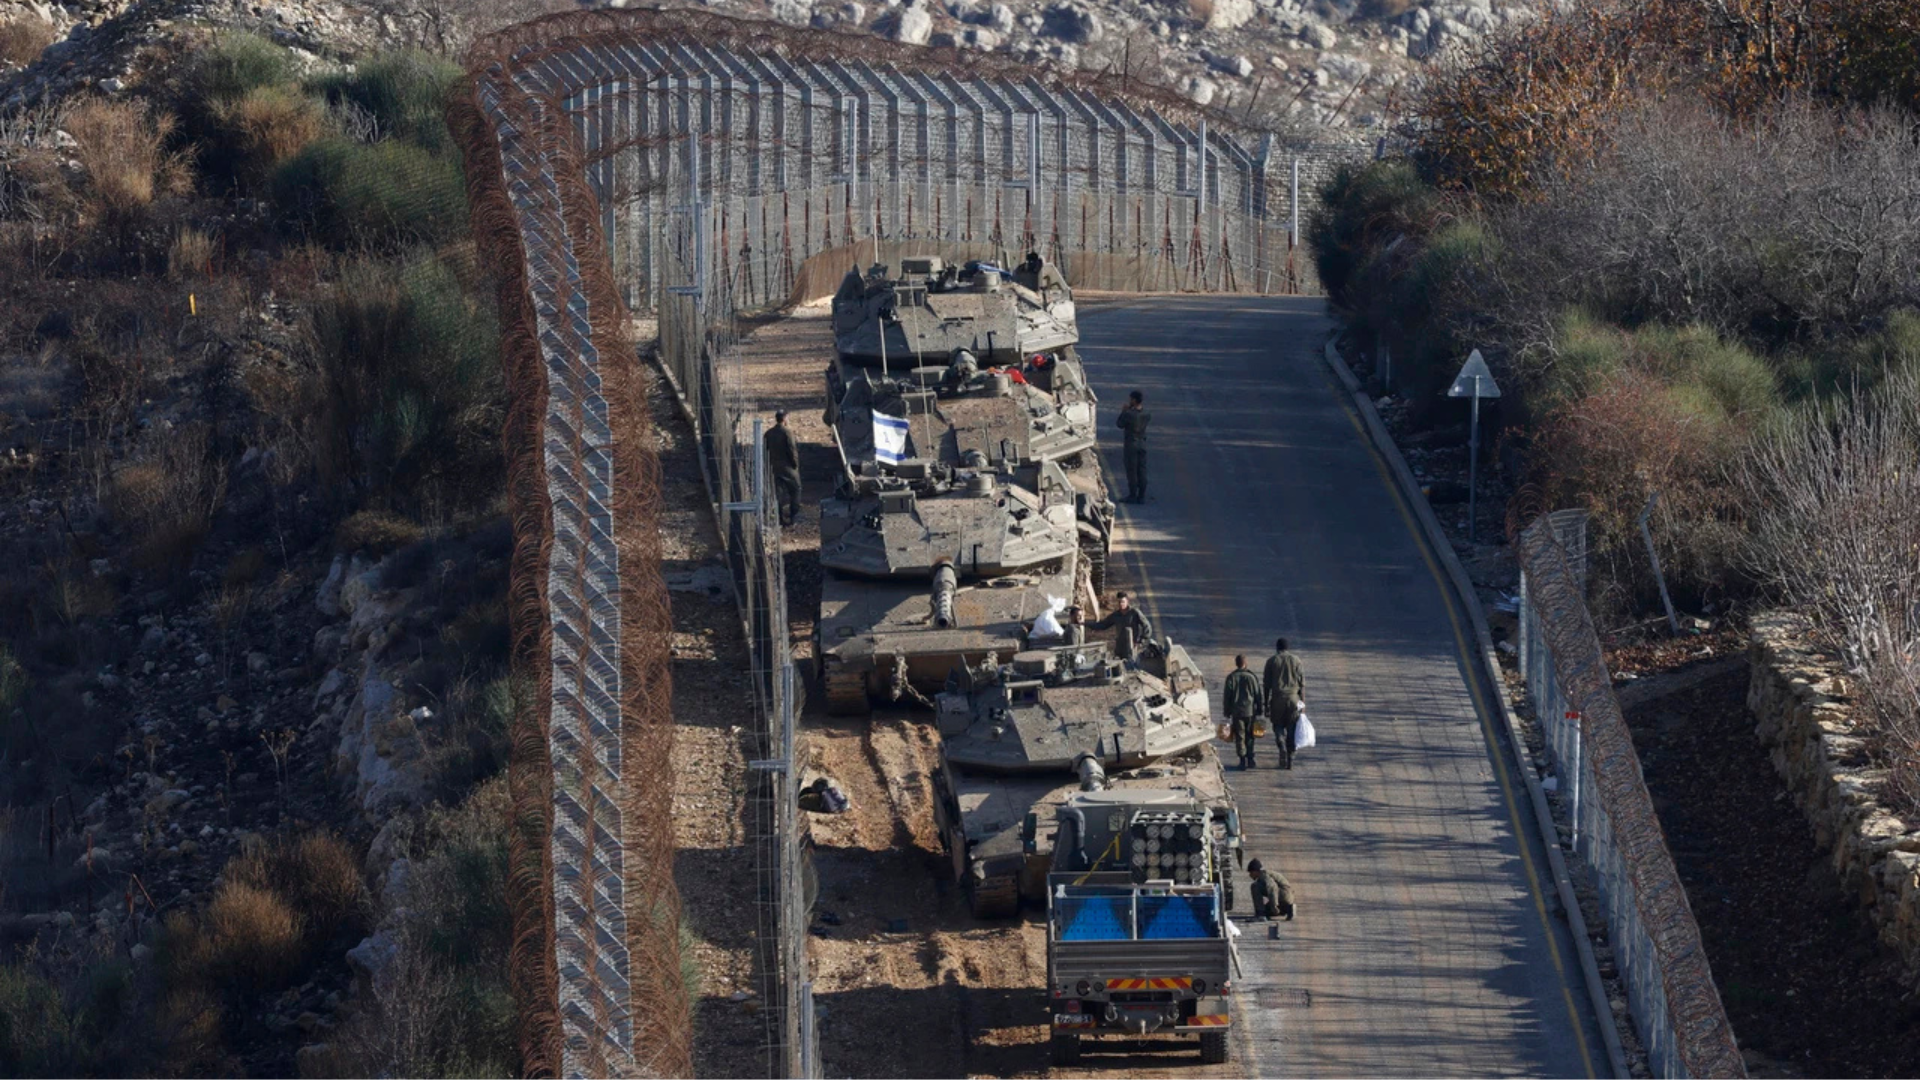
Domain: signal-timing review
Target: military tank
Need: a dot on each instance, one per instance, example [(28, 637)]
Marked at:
[(929, 565), (964, 414), (1022, 739), (933, 308)]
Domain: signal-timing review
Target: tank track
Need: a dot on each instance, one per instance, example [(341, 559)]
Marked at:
[(1094, 553), (846, 690), (996, 897)]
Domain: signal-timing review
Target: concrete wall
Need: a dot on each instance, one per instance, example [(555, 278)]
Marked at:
[(1799, 701)]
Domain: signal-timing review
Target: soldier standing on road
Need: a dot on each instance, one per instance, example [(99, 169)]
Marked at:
[(1242, 700), (783, 462), (1133, 420), (1130, 627), (1272, 893), (1286, 686)]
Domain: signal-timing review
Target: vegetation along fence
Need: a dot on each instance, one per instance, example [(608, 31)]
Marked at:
[(1670, 990), (690, 167)]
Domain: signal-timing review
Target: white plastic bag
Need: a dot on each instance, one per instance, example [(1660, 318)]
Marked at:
[(1303, 733), (1046, 626)]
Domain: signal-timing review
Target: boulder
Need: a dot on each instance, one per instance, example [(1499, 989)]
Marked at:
[(1072, 22), (913, 26), (1230, 14), (1319, 36), (1200, 91)]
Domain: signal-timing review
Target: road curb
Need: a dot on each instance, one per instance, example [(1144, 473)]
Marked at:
[(1516, 745)]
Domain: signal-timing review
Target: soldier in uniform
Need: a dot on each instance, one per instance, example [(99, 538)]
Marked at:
[(1272, 893), (1242, 700), (1130, 627), (1286, 687), (1133, 421), (783, 462), (1076, 626)]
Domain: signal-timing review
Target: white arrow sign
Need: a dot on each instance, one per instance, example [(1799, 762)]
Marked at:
[(1475, 379)]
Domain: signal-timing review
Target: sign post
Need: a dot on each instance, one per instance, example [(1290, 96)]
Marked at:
[(1475, 381)]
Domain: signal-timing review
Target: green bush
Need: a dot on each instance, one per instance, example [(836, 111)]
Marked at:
[(238, 63), (405, 92), (1588, 353), (411, 360), (1362, 210), (385, 195), (86, 1028), (1740, 383)]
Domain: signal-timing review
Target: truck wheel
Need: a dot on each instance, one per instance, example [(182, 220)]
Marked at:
[(1066, 1048), (846, 690), (1213, 1048), (996, 897)]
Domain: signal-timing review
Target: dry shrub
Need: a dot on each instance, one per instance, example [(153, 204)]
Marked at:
[(1836, 491), (1630, 438), (23, 39), (189, 1027), (168, 496), (270, 125), (123, 148), (190, 253), (248, 940), (316, 873), (244, 568), (376, 532)]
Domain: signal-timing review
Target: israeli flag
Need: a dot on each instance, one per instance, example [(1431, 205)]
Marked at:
[(889, 438)]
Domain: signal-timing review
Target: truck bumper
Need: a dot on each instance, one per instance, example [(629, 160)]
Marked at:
[(1206, 1023)]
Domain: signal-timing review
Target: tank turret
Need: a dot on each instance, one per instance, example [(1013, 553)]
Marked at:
[(932, 308)]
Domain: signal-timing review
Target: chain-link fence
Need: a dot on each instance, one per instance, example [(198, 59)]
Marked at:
[(1658, 951)]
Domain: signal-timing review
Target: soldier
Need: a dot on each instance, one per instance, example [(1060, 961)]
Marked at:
[(1133, 420), (783, 462), (1076, 626), (1286, 687), (1130, 627), (1242, 700), (1271, 892)]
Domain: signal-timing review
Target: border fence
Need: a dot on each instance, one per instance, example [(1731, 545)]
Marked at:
[(692, 167), (1670, 990)]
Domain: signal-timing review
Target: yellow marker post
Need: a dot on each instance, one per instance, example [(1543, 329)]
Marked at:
[(193, 306)]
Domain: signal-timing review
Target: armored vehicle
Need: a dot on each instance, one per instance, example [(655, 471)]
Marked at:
[(1024, 738), (963, 415), (934, 308), (929, 566)]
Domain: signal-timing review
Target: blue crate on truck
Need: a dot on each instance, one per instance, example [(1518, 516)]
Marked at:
[(1176, 917), (1094, 918)]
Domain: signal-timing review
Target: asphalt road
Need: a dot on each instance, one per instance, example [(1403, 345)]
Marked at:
[(1424, 944)]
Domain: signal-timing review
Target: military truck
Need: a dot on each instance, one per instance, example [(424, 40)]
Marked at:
[(928, 566), (933, 308), (1137, 939), (1022, 739)]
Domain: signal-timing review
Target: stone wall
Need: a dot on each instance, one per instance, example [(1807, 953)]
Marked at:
[(1804, 717)]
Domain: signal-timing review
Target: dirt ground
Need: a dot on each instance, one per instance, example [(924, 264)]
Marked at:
[(893, 947), (714, 864), (1808, 987)]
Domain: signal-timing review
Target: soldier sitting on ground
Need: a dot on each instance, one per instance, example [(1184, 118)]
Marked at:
[(824, 797), (1272, 894)]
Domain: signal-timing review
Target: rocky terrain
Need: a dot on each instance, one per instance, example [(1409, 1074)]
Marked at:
[(1298, 65)]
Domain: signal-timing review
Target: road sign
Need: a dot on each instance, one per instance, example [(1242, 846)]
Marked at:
[(1475, 379)]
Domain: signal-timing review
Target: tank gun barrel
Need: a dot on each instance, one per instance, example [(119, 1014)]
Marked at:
[(1092, 776), (945, 580)]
